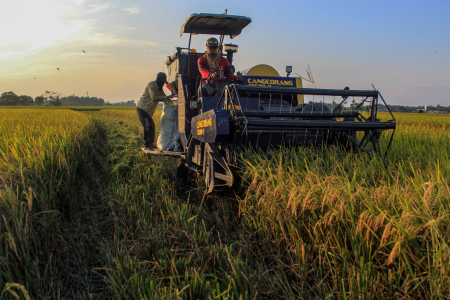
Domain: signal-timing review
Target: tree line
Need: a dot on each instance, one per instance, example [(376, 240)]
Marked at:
[(402, 108), (129, 103), (49, 98)]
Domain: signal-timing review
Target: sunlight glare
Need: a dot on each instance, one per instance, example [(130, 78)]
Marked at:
[(34, 24)]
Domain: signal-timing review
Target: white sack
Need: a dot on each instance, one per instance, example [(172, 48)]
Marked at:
[(168, 138)]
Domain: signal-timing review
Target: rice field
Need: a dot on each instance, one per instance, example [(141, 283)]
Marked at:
[(86, 215), (41, 152)]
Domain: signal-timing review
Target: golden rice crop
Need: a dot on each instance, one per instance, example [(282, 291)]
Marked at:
[(309, 224), (306, 224), (40, 155), (372, 227), (29, 136)]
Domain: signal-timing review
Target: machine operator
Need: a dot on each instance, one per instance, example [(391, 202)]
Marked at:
[(213, 67), (146, 106)]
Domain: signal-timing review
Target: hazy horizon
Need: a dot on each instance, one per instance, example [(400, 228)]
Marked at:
[(402, 48)]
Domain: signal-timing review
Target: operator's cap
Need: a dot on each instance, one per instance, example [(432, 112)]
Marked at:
[(212, 43), (162, 77)]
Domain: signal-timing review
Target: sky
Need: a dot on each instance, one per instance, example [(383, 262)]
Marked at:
[(402, 47)]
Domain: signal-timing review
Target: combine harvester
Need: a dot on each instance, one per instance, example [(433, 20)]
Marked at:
[(264, 112)]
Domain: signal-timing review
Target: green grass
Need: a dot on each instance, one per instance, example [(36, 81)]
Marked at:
[(76, 108), (165, 244), (42, 155), (303, 224)]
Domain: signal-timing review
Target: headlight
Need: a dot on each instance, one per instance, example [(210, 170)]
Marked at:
[(230, 47)]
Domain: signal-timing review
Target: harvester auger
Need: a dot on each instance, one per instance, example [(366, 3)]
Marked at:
[(264, 112)]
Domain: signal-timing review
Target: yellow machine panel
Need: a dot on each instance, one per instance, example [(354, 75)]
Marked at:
[(299, 84), (260, 70), (266, 70)]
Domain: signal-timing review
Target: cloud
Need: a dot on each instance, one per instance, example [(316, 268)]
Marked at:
[(8, 54), (15, 47), (132, 10), (96, 8)]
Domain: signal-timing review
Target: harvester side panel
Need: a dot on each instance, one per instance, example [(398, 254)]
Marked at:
[(184, 111), (209, 103), (276, 81), (211, 126)]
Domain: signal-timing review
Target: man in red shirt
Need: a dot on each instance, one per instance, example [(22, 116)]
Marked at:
[(213, 67)]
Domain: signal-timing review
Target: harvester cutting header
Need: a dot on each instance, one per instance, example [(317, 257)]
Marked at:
[(259, 109)]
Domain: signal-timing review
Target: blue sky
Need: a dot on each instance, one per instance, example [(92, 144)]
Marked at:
[(402, 47)]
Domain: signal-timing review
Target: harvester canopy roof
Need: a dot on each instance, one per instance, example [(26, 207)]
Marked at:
[(215, 24)]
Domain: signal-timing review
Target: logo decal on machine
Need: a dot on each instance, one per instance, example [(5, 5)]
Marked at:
[(204, 123), (269, 82)]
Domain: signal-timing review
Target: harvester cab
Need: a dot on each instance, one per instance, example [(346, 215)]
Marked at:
[(263, 112)]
